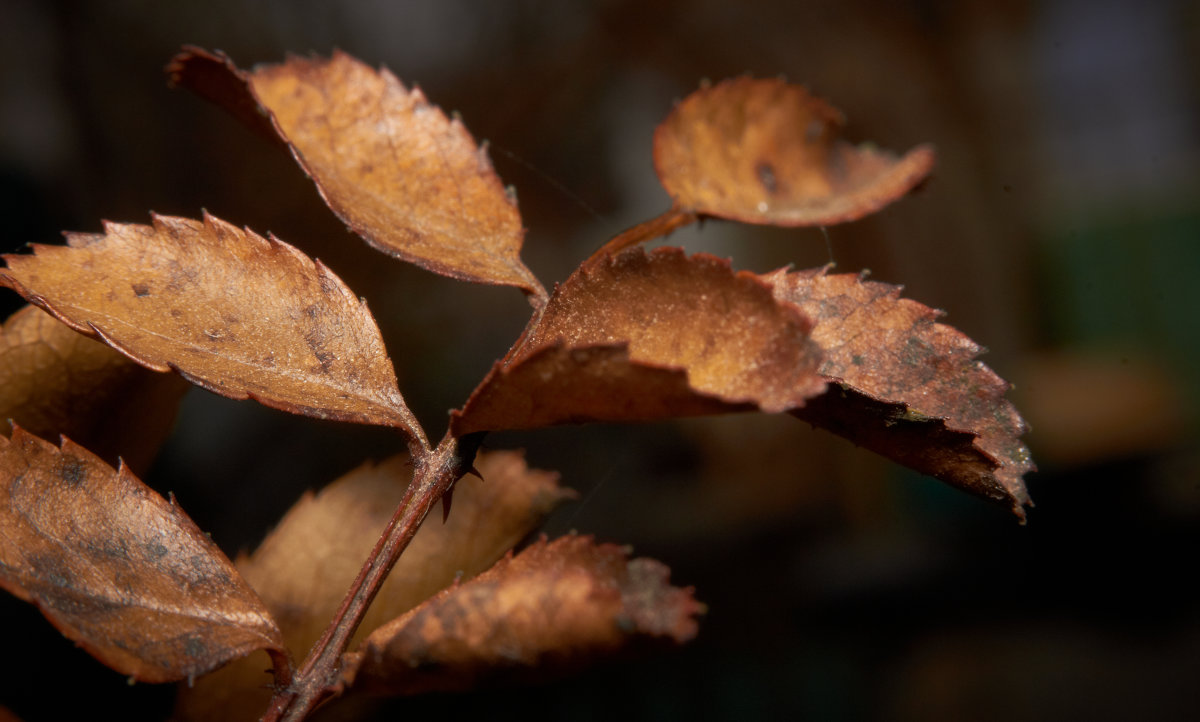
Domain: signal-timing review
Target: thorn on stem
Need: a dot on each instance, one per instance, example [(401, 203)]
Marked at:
[(446, 499)]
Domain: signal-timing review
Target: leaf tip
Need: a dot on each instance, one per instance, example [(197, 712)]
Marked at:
[(177, 66)]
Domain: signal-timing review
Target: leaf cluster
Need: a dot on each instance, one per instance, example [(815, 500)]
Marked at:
[(630, 336)]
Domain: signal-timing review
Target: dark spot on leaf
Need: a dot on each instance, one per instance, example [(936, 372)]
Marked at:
[(204, 571), (915, 351), (106, 549), (766, 175), (51, 570), (856, 359), (326, 359), (327, 285), (180, 277), (316, 342), (72, 471), (195, 647), (141, 290), (155, 550)]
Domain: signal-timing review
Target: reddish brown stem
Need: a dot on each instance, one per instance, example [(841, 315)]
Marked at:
[(316, 680), (644, 232), (538, 297)]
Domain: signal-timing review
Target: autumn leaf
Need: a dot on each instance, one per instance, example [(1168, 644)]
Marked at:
[(118, 569), (650, 336), (214, 77), (56, 381), (766, 151), (908, 387), (238, 314), (334, 531), (547, 612), (303, 568), (402, 175)]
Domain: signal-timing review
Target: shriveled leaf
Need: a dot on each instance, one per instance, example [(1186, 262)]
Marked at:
[(642, 336), (908, 387), (118, 569), (233, 312), (402, 175), (547, 612), (56, 381), (766, 151), (302, 570), (334, 531)]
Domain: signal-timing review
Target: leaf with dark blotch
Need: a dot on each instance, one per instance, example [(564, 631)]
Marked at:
[(238, 314), (56, 381), (118, 569), (766, 151), (303, 568), (402, 175), (908, 387), (641, 336), (547, 612)]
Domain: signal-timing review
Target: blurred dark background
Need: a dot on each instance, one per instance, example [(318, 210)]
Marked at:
[(1061, 230)]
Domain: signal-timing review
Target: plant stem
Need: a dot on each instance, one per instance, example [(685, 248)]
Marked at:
[(643, 232), (434, 473)]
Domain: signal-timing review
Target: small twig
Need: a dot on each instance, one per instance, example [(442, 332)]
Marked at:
[(644, 232), (314, 682)]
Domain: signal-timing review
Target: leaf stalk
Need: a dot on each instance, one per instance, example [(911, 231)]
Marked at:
[(317, 679)]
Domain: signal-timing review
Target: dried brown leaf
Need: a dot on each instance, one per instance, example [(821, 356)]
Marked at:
[(56, 381), (334, 531), (642, 336), (303, 568), (766, 151), (908, 387), (118, 569), (214, 77), (550, 610), (238, 314), (402, 175)]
